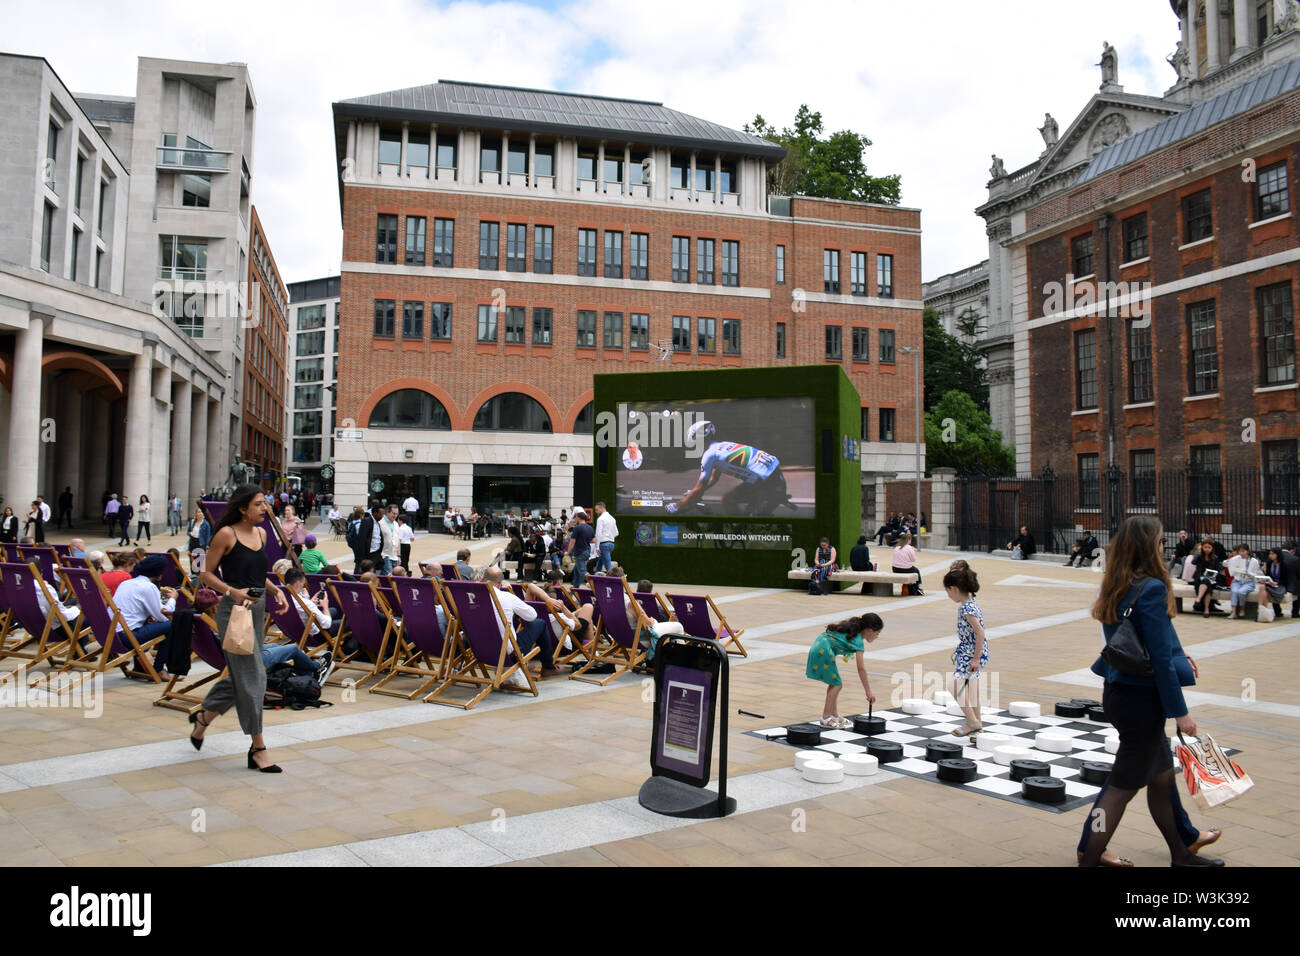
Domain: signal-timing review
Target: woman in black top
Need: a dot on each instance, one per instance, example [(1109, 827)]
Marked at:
[(9, 527), (1209, 573), (238, 553)]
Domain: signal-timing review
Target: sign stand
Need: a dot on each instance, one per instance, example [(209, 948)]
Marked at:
[(688, 673)]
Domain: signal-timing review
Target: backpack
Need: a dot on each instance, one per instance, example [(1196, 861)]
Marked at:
[(353, 536), (286, 689)]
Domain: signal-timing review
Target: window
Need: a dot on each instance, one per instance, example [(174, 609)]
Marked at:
[(613, 170), (310, 370), (1277, 329), (410, 408), (638, 331), (1085, 369), (99, 262), (613, 255), (515, 323), (512, 411), (385, 317), (681, 259), (1081, 255), (52, 153), (78, 183), (1135, 237), (586, 252), (864, 416), (704, 178), (412, 321), (1281, 474), (196, 190), (586, 420), (311, 343), (704, 335), (76, 252), (587, 165), (1206, 478), (731, 336), (516, 247), (305, 423), (444, 238), (1143, 470), (614, 330), (1204, 366), (489, 244), (887, 424), (1140, 385), (517, 159), (489, 159), (103, 202), (858, 273), (639, 256), (386, 239), (415, 226), (307, 396), (542, 326), (586, 329), (1089, 481), (780, 265), (681, 333), (885, 276), (704, 261), (780, 340), (544, 159), (887, 346), (834, 342), (678, 175), (730, 262), (440, 320), (311, 317), (1272, 192), (306, 449), (390, 149), (543, 249), (861, 345), (1198, 216), (830, 270), (487, 323), (417, 153)]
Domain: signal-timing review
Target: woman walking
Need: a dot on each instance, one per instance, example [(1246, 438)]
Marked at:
[(1137, 580), (142, 521), (9, 527), (238, 552), (293, 528)]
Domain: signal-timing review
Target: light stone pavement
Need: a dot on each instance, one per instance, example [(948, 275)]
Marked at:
[(553, 781)]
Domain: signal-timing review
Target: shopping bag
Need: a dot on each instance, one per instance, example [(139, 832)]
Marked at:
[(1212, 779), (1265, 613), (238, 638)]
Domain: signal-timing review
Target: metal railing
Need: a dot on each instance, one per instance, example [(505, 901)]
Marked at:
[(208, 160)]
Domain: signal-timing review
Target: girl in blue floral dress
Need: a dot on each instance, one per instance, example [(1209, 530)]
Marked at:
[(972, 651), (842, 638)]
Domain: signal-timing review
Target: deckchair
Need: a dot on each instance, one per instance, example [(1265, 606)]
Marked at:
[(594, 635), (47, 559), (63, 550), (654, 606), (291, 625), (370, 621), (44, 635), (693, 614), (207, 646), (424, 649), (490, 656), (625, 651), (450, 572)]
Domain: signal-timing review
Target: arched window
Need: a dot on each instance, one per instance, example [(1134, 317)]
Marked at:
[(512, 412), (585, 421), (410, 408)]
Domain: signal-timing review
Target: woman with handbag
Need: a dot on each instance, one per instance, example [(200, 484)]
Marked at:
[(238, 552), (1145, 670)]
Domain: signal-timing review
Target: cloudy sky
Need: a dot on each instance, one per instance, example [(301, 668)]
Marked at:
[(937, 86)]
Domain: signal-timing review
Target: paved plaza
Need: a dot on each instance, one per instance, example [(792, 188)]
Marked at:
[(553, 780)]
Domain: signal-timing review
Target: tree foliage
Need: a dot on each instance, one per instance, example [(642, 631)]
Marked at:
[(958, 434), (828, 166), (952, 363)]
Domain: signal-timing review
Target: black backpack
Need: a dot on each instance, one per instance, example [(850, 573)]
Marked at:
[(285, 689)]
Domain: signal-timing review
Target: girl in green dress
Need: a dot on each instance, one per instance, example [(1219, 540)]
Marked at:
[(842, 638)]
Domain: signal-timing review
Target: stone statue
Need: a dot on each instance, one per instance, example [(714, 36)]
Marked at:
[(1050, 130), (1109, 65), (1286, 15), (997, 170), (241, 473), (1180, 62)]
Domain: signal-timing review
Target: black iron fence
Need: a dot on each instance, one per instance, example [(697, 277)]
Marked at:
[(1236, 505)]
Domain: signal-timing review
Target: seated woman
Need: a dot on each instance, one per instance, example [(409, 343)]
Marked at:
[(823, 566), (124, 563), (578, 622), (903, 561), (1244, 567), (1208, 577), (657, 630), (515, 547)]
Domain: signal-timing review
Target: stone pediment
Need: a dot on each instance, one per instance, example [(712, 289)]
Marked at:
[(1106, 119)]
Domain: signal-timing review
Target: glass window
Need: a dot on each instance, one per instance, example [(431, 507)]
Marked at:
[(542, 326), (516, 247), (705, 330), (543, 249), (415, 226), (1207, 477), (613, 170), (1140, 385), (307, 396), (834, 342), (638, 332), (887, 346), (639, 256), (444, 238), (587, 164), (730, 262), (447, 150), (196, 190), (586, 252), (103, 203), (487, 323), (1081, 255), (412, 320), (727, 182), (1281, 474), (440, 320), (887, 424), (518, 158), (311, 343), (52, 152), (830, 270), (584, 423), (305, 423), (613, 255), (681, 333), (390, 148), (544, 159), (678, 174), (1135, 237), (1143, 468), (780, 340), (1198, 216), (311, 317), (586, 329), (704, 178), (515, 324), (306, 449), (704, 261), (410, 408), (489, 158), (780, 265), (417, 153), (1085, 369), (858, 273), (681, 259), (731, 336), (1089, 481), (614, 330), (1277, 329), (861, 345), (76, 252), (310, 370), (386, 239), (864, 415), (512, 411), (489, 244), (1272, 192), (885, 276), (385, 317), (1204, 366)]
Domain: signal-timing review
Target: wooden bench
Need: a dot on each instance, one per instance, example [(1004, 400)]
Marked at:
[(881, 582), (1184, 590)]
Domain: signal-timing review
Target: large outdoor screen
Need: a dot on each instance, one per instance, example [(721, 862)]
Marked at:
[(750, 457)]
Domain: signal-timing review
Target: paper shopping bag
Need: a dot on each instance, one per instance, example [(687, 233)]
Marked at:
[(1212, 779), (238, 638)]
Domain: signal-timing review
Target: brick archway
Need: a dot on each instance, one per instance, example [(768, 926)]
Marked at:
[(95, 377), (581, 402), (501, 388), (458, 421)]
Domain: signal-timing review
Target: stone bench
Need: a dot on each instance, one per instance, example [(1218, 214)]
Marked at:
[(1185, 591), (881, 582)]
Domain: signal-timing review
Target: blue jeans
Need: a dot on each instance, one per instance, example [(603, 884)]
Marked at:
[(273, 654), (580, 559), (606, 555), (536, 632), (146, 632), (389, 564), (1186, 832), (1239, 591)]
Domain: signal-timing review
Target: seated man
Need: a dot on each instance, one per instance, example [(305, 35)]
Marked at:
[(463, 566), (889, 529), (321, 622), (578, 622), (1184, 547), (657, 630), (77, 548), (534, 631), (860, 558), (69, 612), (1022, 547), (1084, 551), (145, 609)]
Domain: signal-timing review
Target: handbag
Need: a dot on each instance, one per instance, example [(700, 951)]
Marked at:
[(1212, 779), (1126, 652), (239, 637)]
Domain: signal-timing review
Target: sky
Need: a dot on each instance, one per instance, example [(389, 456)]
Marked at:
[(937, 86)]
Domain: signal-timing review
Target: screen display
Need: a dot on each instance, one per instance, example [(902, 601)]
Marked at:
[(743, 457)]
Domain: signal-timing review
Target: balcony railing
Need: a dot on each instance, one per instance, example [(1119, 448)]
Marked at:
[(204, 160)]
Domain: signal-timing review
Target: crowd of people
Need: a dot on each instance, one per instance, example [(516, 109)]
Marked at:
[(1211, 570)]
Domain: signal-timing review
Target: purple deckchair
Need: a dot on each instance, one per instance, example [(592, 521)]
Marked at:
[(693, 614), (427, 650), (101, 616), (481, 619), (360, 604), (625, 652), (24, 610), (205, 643)]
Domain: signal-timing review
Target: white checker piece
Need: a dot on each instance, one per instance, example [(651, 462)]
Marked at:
[(1002, 786)]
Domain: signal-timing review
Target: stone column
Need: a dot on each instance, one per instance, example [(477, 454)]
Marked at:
[(460, 485), (690, 183), (531, 178), (600, 169), (198, 463), (882, 511), (98, 480), (179, 479), (627, 169), (218, 445), (67, 449), (505, 158), (1211, 35), (350, 153), (25, 416), (433, 150), (404, 156), (942, 504), (1189, 37), (561, 493), (717, 178), (137, 466), (1241, 26)]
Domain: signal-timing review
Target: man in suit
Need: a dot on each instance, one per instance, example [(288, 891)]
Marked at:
[(370, 539), (1083, 551)]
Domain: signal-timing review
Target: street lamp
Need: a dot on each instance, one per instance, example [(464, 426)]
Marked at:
[(920, 435)]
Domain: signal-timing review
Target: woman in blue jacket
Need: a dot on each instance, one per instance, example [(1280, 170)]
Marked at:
[(1136, 576)]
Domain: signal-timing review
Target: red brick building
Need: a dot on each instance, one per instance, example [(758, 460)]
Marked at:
[(501, 246), (264, 376)]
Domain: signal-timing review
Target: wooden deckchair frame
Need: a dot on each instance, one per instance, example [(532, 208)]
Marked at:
[(348, 662), (624, 659), (45, 650), (733, 633), (184, 698), (410, 661), (479, 673)]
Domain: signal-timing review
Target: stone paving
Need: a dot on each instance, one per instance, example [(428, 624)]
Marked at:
[(553, 780)]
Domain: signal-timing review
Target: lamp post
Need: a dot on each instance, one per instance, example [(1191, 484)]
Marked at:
[(919, 434)]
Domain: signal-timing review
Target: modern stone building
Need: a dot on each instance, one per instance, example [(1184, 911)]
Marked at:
[(313, 363), (265, 427), (501, 245)]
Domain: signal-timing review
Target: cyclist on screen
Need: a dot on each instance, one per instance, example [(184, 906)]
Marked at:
[(762, 487)]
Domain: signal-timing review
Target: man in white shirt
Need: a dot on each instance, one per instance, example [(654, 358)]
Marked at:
[(45, 509), (534, 630), (412, 509), (606, 532), (390, 550), (405, 538), (142, 605)]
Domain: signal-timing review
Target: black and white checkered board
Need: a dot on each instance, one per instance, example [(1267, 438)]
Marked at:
[(992, 779)]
